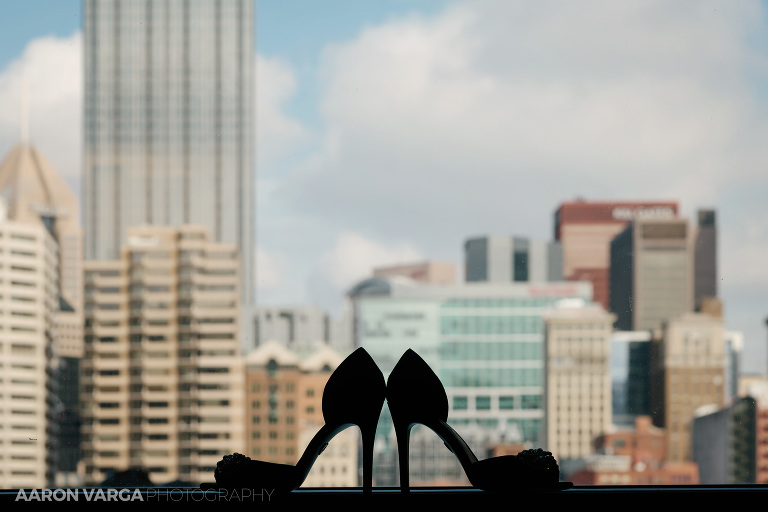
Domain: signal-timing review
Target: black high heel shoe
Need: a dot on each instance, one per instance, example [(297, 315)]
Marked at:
[(416, 395), (353, 395)]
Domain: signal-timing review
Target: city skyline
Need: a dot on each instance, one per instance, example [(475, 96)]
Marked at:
[(611, 132)]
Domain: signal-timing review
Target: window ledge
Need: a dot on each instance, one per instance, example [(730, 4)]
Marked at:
[(426, 496)]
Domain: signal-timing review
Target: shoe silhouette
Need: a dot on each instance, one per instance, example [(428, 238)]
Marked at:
[(416, 395), (353, 395)]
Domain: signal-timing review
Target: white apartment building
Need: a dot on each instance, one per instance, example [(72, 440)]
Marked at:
[(28, 305), (163, 380), (36, 194)]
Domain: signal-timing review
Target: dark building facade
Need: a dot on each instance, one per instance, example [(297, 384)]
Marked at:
[(638, 381), (724, 444), (705, 257), (622, 279)]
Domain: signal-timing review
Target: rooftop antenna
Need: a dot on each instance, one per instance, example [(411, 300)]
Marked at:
[(24, 105)]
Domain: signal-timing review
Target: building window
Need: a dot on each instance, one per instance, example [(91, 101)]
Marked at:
[(530, 402), (506, 402), (272, 368)]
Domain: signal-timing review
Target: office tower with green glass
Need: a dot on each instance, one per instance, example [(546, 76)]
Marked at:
[(485, 341)]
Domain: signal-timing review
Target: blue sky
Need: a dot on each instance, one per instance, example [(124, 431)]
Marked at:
[(392, 130), (29, 20)]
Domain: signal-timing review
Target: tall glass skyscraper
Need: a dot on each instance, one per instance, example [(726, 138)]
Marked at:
[(169, 115)]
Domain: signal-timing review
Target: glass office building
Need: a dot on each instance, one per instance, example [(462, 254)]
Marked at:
[(168, 124), (630, 372), (492, 362), (484, 340)]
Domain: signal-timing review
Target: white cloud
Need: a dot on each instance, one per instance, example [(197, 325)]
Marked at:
[(488, 116), (270, 270), (354, 257), (746, 250), (351, 258), (276, 132), (52, 69)]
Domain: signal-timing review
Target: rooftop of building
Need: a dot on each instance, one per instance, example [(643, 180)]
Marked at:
[(320, 358), (33, 187), (403, 287)]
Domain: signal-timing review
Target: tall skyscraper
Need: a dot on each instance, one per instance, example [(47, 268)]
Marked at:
[(585, 230), (168, 125), (705, 258), (651, 273)]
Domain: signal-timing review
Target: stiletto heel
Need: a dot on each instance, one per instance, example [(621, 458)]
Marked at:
[(369, 436), (416, 395), (353, 395), (402, 433)]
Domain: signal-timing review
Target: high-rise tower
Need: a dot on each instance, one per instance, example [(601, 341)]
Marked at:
[(651, 273), (168, 125), (41, 215), (585, 230), (705, 258), (162, 378)]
